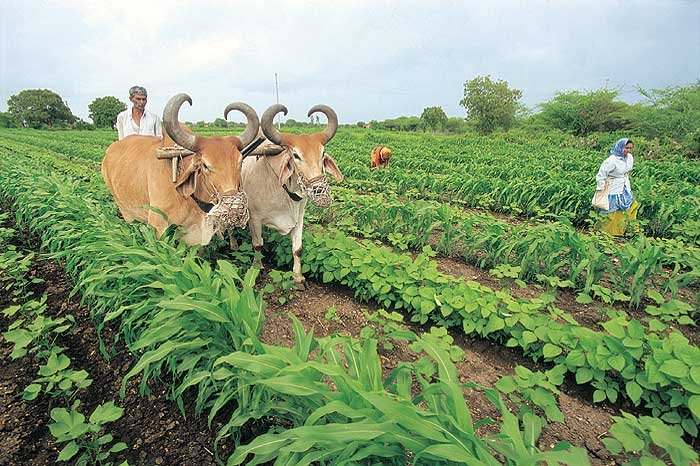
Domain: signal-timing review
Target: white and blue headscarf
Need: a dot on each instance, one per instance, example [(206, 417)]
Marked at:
[(618, 149)]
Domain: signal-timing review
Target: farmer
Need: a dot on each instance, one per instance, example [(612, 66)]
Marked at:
[(137, 120), (614, 171), (380, 157)]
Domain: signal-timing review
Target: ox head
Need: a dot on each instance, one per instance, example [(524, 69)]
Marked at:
[(305, 154), (212, 174)]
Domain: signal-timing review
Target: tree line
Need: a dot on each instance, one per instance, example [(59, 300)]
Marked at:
[(671, 114)]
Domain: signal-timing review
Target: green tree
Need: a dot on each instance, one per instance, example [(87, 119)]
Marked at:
[(220, 123), (583, 113), (456, 125), (491, 104), (672, 112), (38, 108), (433, 118), (6, 120), (104, 111)]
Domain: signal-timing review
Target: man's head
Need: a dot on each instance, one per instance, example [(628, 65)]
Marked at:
[(138, 96)]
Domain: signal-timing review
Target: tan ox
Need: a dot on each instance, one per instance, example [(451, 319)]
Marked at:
[(143, 186), (292, 170)]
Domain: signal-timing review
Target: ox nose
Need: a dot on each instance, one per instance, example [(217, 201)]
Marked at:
[(230, 212)]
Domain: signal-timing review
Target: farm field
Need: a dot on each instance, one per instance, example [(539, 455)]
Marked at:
[(482, 253)]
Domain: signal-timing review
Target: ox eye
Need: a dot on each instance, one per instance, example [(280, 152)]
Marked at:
[(296, 156)]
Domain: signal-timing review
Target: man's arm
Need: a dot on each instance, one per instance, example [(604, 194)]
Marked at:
[(158, 128), (120, 126)]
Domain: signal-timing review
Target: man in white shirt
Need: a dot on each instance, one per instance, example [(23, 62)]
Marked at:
[(137, 120)]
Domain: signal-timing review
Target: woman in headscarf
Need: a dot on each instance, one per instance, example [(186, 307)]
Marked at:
[(614, 171)]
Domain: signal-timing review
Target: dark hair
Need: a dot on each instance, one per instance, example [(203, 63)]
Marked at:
[(629, 141), (137, 90)]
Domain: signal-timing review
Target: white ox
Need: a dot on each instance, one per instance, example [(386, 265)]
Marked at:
[(291, 169)]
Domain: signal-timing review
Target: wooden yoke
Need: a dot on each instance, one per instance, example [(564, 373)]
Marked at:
[(173, 153)]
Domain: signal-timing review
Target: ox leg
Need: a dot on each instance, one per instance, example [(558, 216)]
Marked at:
[(296, 254), (233, 244), (157, 222), (256, 237)]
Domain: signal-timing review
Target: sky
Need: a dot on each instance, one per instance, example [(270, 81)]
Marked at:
[(367, 59)]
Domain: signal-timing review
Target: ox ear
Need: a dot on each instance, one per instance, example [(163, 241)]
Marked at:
[(186, 185), (331, 167), (287, 168)]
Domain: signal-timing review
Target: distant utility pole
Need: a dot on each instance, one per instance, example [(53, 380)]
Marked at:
[(277, 92)]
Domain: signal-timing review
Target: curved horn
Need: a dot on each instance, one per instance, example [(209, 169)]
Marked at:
[(172, 125), (267, 125), (332, 124), (251, 129)]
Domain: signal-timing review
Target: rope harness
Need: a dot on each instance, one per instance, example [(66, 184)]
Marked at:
[(229, 211), (317, 189)]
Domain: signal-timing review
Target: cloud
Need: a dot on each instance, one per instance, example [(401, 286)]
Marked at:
[(369, 60)]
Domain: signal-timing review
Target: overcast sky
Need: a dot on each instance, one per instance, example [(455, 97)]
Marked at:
[(366, 59)]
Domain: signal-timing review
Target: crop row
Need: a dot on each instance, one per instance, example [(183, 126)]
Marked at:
[(656, 369), (544, 249), (539, 249), (520, 179), (33, 331), (200, 325), (531, 178)]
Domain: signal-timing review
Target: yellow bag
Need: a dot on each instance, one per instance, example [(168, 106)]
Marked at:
[(600, 198)]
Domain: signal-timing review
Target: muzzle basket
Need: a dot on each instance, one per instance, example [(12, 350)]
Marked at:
[(317, 190), (230, 212)]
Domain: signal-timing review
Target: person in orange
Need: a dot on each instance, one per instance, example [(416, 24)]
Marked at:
[(381, 155)]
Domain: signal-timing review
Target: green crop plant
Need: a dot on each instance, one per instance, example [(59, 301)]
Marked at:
[(670, 311), (281, 286), (364, 419), (87, 442), (386, 327), (34, 332), (57, 379), (648, 441), (530, 390)]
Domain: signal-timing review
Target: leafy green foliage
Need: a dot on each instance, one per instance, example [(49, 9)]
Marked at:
[(37, 108), (530, 390), (104, 111), (281, 287), (433, 118), (645, 437), (386, 328), (87, 442), (57, 379), (492, 104), (583, 113)]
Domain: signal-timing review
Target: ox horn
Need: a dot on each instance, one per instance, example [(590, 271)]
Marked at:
[(172, 125), (251, 129), (268, 126), (332, 125)]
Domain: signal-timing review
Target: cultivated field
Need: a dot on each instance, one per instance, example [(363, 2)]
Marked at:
[(462, 308)]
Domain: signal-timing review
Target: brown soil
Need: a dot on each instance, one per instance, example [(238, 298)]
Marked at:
[(152, 426)]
